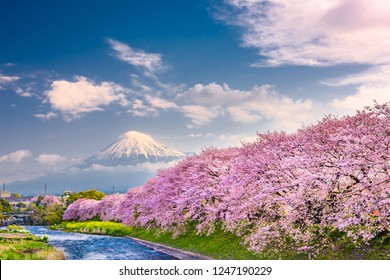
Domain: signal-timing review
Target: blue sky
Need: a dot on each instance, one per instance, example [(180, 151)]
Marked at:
[(75, 75)]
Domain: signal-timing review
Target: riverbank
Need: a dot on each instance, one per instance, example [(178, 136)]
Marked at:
[(19, 244), (224, 245), (174, 252)]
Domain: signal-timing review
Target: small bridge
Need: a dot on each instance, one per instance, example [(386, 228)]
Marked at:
[(15, 218)]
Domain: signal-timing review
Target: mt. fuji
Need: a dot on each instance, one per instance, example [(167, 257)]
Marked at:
[(132, 148), (128, 162)]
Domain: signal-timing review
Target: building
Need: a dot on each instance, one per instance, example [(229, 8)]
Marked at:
[(14, 201), (4, 194)]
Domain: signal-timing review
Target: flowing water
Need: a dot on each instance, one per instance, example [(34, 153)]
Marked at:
[(77, 246)]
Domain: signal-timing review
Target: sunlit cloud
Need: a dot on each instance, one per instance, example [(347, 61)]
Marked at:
[(317, 34), (4, 80), (74, 99), (15, 157), (50, 159), (371, 85), (160, 103), (200, 115), (121, 169), (47, 116), (195, 135), (260, 104), (313, 33), (23, 93), (147, 62), (236, 139), (140, 109)]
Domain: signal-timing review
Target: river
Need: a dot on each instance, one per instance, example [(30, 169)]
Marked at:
[(77, 246)]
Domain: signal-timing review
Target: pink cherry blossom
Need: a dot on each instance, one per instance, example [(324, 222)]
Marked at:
[(333, 175)]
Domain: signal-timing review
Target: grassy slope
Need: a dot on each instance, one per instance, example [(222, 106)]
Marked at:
[(26, 247), (224, 245)]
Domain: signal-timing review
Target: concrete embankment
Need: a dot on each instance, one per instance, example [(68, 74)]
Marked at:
[(177, 253)]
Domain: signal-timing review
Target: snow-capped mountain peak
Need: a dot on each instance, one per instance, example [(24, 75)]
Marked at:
[(131, 148), (135, 144)]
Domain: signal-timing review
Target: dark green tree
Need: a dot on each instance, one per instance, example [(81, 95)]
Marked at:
[(90, 194), (5, 206), (46, 213)]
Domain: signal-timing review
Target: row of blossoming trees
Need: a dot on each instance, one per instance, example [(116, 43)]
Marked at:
[(283, 188)]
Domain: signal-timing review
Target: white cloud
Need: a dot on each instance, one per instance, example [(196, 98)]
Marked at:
[(318, 32), (151, 106), (16, 157), (47, 116), (195, 135), (201, 115), (203, 104), (148, 62), (23, 93), (242, 114), (259, 104), (50, 159), (262, 105), (236, 139), (372, 84), (160, 103), (365, 96), (141, 167), (373, 76), (140, 109), (315, 33), (265, 104), (213, 94), (7, 80), (74, 99)]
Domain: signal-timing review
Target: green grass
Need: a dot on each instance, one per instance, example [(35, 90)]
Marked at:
[(224, 245), (19, 249), (14, 229), (19, 244)]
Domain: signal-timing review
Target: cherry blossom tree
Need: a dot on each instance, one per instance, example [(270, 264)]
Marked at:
[(109, 207), (82, 210), (281, 189), (50, 199)]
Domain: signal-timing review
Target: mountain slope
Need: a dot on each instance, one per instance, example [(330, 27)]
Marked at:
[(132, 148)]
